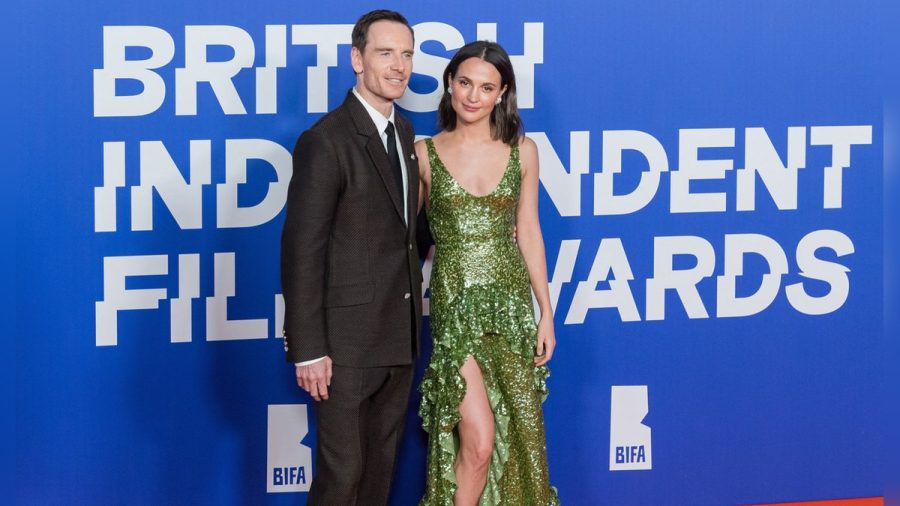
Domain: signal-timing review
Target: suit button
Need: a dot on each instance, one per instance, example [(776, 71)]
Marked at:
[(406, 295), (410, 246)]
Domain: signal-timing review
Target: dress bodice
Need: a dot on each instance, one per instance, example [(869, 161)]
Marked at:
[(473, 233)]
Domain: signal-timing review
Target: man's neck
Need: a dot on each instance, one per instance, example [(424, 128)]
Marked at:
[(385, 107)]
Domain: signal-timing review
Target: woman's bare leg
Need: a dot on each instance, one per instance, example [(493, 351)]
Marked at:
[(476, 436)]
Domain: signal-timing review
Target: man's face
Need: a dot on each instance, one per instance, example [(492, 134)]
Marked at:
[(384, 66)]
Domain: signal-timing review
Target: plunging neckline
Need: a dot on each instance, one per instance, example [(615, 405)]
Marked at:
[(460, 186)]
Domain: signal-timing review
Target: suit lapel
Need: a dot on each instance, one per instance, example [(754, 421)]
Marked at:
[(375, 148)]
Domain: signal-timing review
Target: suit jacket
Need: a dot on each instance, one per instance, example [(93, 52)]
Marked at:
[(350, 270)]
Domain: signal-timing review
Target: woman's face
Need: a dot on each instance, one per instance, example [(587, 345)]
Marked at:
[(474, 90)]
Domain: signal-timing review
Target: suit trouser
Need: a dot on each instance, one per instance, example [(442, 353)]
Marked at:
[(359, 429)]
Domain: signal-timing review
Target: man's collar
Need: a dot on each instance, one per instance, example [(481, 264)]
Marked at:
[(380, 121)]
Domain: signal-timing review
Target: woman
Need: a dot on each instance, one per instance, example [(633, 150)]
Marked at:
[(485, 383)]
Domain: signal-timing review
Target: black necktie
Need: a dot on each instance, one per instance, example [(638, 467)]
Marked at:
[(393, 156)]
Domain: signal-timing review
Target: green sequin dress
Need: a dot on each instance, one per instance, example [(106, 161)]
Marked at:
[(481, 306)]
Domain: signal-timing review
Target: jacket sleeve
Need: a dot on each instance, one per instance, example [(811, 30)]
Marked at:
[(312, 199)]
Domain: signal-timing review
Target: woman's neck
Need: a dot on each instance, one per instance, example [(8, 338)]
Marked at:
[(473, 132)]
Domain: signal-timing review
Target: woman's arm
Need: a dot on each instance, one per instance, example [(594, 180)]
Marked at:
[(531, 244), (424, 172)]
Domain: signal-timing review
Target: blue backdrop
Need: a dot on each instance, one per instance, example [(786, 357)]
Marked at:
[(712, 208)]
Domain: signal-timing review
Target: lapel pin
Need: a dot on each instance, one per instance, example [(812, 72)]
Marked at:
[(412, 156)]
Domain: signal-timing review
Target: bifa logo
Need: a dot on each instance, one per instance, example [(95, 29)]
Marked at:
[(629, 438), (289, 461)]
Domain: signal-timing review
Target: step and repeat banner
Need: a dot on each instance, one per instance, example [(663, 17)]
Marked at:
[(711, 201)]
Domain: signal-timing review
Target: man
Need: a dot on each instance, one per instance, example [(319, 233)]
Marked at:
[(350, 269)]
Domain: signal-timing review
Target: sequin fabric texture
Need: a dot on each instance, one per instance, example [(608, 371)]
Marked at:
[(481, 306)]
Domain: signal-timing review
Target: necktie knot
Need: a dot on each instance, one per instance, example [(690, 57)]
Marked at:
[(389, 129)]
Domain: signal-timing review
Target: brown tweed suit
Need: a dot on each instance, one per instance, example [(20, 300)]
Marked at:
[(352, 290), (349, 264)]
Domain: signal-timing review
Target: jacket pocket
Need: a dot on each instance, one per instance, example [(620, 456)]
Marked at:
[(349, 295)]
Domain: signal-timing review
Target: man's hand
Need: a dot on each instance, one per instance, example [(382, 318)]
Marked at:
[(315, 378)]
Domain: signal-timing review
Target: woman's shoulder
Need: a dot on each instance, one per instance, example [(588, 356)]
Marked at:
[(424, 147), (421, 145), (528, 153), (438, 138), (526, 144), (424, 141)]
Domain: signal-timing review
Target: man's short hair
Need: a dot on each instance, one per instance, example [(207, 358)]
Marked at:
[(361, 28)]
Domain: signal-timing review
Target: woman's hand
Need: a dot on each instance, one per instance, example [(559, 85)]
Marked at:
[(546, 342)]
